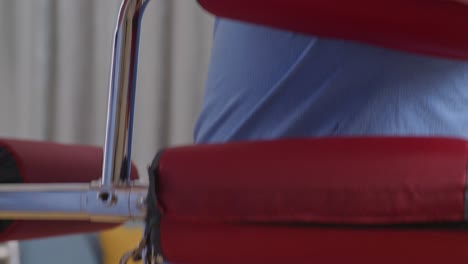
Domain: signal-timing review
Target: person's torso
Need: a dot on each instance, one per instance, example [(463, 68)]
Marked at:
[(265, 83)]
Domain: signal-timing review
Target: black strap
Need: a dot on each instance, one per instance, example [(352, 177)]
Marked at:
[(153, 218)]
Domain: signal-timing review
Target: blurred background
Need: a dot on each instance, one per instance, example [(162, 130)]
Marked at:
[(54, 68)]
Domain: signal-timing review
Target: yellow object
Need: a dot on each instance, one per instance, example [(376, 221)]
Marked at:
[(116, 242)]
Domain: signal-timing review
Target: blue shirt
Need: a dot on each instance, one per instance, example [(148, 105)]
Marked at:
[(265, 83)]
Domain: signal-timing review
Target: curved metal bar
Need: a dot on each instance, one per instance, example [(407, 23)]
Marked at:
[(120, 111)]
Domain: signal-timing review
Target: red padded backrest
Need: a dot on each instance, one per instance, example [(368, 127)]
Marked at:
[(434, 27)]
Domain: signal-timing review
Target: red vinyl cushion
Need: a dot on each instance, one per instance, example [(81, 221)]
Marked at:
[(259, 201), (233, 244), (329, 180), (431, 27), (47, 162)]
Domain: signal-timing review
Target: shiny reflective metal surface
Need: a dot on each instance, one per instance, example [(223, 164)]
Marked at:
[(115, 198), (14, 252), (9, 253), (117, 148), (4, 254), (70, 202)]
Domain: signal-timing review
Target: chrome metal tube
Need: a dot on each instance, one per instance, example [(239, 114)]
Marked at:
[(123, 76), (71, 202)]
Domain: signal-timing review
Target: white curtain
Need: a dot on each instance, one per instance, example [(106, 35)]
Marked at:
[(54, 67)]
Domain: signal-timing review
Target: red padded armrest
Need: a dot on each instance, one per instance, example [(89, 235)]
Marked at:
[(434, 27), (329, 180), (46, 162), (372, 200)]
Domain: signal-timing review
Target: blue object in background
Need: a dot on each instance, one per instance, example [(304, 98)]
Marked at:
[(77, 249)]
